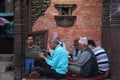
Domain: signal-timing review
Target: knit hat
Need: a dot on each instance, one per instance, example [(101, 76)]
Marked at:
[(83, 40)]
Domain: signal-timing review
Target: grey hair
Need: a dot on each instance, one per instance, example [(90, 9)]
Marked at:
[(55, 40)]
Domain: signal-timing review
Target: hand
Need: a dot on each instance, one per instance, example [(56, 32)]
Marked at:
[(70, 59), (71, 63), (42, 56)]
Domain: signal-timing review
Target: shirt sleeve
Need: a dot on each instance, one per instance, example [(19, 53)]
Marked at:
[(85, 56), (53, 60)]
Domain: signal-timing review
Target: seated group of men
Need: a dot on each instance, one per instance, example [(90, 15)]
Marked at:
[(87, 59)]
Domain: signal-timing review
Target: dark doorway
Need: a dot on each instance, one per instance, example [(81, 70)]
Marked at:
[(6, 27), (2, 5)]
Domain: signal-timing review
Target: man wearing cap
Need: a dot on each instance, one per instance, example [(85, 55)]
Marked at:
[(86, 66)]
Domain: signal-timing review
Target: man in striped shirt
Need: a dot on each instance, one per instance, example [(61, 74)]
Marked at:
[(101, 56)]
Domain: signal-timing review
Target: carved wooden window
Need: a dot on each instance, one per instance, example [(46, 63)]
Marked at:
[(35, 9), (40, 38), (65, 18), (106, 13), (65, 9)]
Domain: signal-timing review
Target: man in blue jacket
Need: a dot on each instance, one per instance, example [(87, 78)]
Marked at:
[(58, 62)]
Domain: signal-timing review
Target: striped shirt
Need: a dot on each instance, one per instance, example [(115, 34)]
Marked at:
[(102, 59)]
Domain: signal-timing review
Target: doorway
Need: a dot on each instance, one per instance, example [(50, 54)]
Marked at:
[(111, 35), (6, 27)]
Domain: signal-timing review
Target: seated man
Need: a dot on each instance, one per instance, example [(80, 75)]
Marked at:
[(58, 62), (101, 56), (61, 42), (86, 66), (77, 52)]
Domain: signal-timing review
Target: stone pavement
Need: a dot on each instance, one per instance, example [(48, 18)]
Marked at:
[(4, 63), (6, 75)]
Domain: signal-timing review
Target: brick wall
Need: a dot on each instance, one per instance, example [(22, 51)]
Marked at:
[(88, 22)]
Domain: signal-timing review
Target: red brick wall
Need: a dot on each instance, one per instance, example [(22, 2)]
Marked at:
[(88, 22)]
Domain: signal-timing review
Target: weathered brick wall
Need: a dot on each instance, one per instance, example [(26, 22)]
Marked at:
[(88, 22)]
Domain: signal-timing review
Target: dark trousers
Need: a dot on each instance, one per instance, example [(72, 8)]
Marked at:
[(41, 63), (50, 73)]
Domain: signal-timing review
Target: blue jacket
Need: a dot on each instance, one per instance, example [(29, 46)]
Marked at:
[(59, 60)]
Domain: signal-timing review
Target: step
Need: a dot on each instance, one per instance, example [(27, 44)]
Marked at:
[(3, 66), (6, 57), (7, 76)]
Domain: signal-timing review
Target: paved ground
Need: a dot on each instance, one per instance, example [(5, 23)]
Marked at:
[(4, 63), (7, 76)]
